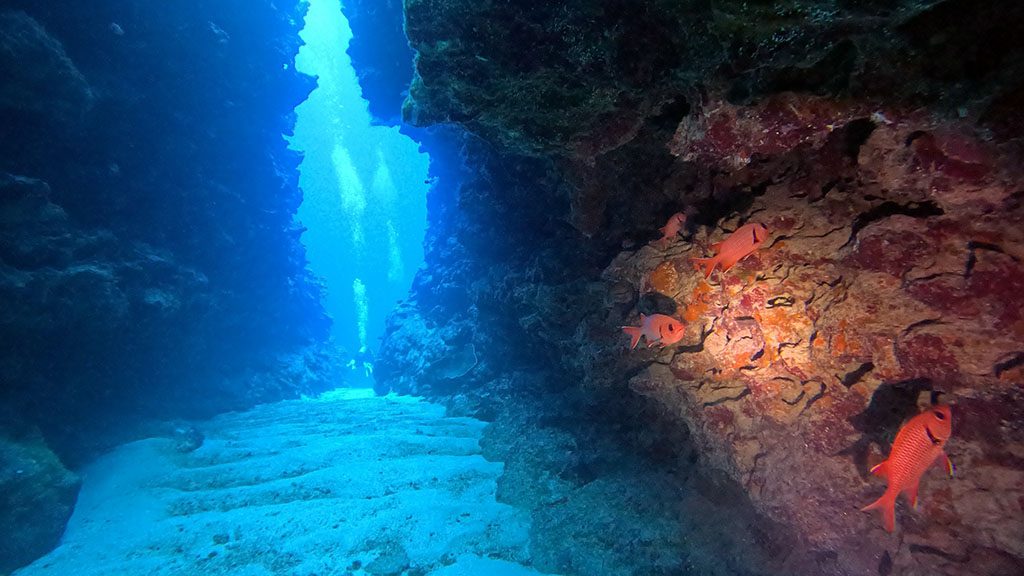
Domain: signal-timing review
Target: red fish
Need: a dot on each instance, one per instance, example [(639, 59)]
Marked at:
[(657, 329), (671, 229), (918, 445), (737, 246)]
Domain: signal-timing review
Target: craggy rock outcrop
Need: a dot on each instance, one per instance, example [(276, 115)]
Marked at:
[(83, 292), (380, 55), (150, 263), (880, 144), (37, 495)]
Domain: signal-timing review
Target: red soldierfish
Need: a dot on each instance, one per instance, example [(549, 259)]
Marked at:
[(918, 445), (737, 246), (657, 329), (671, 229)]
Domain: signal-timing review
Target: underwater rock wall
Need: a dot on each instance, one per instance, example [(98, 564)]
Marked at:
[(380, 55), (880, 143), (150, 265)]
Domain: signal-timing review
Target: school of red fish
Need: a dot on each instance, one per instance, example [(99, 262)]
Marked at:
[(919, 443)]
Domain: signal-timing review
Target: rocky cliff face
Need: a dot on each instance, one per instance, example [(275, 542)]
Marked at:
[(880, 145), (149, 263), (149, 255)]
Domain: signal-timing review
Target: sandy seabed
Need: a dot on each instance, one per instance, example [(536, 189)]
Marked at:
[(347, 483)]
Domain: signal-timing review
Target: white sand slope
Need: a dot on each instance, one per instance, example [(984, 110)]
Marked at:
[(345, 484)]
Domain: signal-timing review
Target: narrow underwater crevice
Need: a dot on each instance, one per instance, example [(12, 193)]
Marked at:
[(888, 208)]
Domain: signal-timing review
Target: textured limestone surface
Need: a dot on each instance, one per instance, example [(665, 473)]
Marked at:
[(886, 277), (612, 491), (347, 483)]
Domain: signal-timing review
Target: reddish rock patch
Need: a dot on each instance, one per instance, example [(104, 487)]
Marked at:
[(952, 154), (777, 125), (927, 356), (891, 251)]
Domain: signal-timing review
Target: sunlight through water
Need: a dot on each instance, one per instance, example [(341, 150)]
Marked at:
[(364, 206)]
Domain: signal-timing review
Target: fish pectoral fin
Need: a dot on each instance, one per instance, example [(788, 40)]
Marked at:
[(634, 335), (911, 492), (881, 469), (950, 469)]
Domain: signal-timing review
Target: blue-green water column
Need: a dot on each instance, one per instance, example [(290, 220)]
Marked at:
[(364, 189)]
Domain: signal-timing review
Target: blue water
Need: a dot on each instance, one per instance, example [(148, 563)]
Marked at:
[(364, 189)]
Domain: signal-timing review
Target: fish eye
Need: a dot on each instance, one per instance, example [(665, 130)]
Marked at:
[(671, 328), (939, 415)]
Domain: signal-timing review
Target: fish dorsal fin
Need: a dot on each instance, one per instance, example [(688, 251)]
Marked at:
[(716, 246)]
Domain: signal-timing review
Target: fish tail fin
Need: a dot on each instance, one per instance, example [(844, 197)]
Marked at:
[(886, 506), (634, 334), (710, 263)]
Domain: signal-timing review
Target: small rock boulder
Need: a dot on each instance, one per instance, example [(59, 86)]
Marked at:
[(37, 495)]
